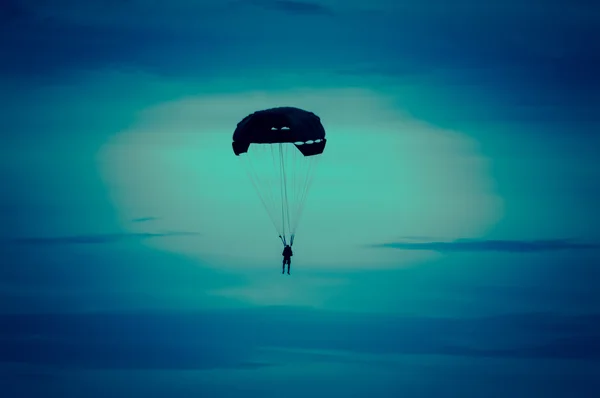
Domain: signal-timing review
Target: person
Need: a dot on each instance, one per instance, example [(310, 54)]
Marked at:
[(287, 258)]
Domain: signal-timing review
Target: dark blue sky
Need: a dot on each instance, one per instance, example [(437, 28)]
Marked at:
[(451, 229)]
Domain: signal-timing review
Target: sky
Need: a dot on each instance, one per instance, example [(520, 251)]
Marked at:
[(449, 241)]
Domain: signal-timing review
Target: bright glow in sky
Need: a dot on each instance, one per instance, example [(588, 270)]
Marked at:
[(384, 176)]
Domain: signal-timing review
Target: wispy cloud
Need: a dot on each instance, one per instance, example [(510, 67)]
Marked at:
[(320, 335), (507, 246), (144, 219), (95, 238), (292, 7)]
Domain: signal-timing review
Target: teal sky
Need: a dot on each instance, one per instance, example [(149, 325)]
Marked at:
[(387, 176), (460, 178)]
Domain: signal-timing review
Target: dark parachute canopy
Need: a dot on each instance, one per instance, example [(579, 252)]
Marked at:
[(280, 149)]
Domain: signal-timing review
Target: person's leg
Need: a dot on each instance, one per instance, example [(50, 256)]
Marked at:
[(283, 267), (289, 263)]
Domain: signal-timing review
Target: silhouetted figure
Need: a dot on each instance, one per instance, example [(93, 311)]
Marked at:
[(287, 258)]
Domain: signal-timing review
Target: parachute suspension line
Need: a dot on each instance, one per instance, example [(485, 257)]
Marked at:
[(249, 171), (272, 192), (285, 188), (265, 174), (299, 162), (282, 189), (313, 163), (302, 195), (295, 173), (267, 182), (270, 184)]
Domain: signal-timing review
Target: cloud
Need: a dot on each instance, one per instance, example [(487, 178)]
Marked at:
[(50, 48), (144, 219), (506, 246), (292, 7), (531, 67), (95, 238), (573, 347), (184, 340), (462, 173)]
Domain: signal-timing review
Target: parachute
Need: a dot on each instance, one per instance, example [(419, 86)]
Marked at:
[(280, 149)]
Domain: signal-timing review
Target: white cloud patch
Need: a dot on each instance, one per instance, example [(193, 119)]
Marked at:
[(383, 175)]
